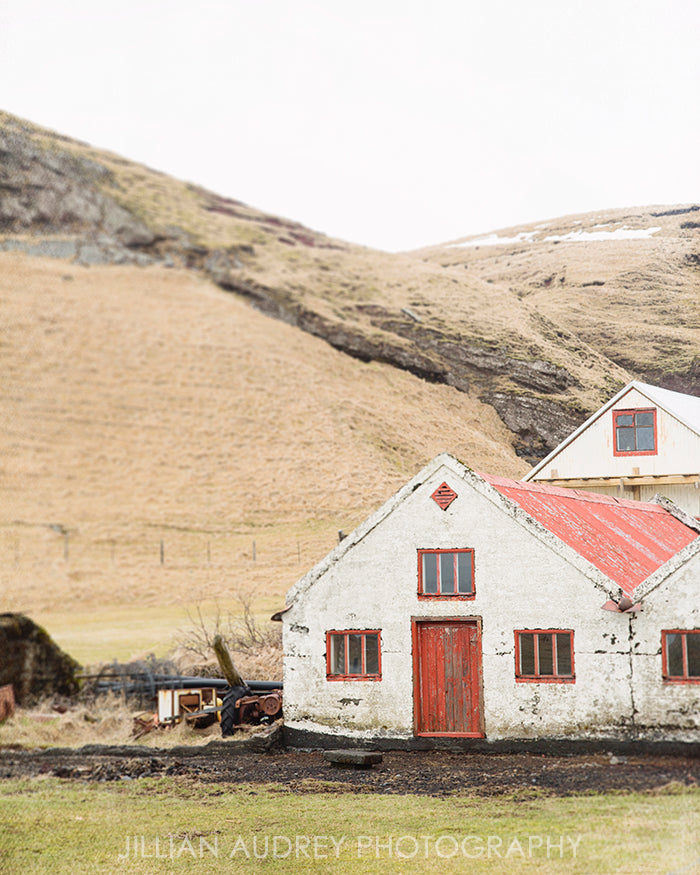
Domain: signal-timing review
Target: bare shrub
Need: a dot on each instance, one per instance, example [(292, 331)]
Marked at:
[(258, 648)]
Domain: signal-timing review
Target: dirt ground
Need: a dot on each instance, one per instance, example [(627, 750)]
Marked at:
[(422, 773)]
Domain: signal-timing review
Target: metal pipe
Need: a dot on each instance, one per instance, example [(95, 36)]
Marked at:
[(165, 682)]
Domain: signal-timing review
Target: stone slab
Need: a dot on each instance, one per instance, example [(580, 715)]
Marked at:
[(357, 758)]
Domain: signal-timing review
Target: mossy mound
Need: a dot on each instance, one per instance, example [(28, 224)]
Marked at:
[(32, 662)]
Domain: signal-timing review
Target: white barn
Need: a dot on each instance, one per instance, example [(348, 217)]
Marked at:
[(472, 607), (644, 441)]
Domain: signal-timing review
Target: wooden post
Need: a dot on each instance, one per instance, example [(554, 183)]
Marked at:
[(228, 669)]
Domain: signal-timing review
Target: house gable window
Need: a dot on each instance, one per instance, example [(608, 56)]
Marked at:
[(680, 656), (446, 574), (353, 655), (544, 655), (635, 432)]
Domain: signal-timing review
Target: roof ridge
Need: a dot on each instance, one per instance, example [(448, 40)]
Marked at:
[(564, 492)]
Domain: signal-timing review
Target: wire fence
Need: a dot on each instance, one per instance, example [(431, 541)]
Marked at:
[(50, 544)]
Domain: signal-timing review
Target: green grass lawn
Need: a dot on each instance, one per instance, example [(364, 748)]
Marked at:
[(177, 825), (121, 633)]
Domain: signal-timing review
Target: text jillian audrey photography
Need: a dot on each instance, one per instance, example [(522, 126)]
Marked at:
[(318, 847)]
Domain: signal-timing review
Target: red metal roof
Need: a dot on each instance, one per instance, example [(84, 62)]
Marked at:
[(626, 540)]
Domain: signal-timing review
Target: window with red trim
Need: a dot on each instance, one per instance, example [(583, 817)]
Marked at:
[(544, 655), (446, 574), (353, 655), (680, 655), (635, 432)]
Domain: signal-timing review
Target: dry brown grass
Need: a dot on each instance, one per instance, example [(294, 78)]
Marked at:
[(107, 720), (450, 290), (635, 301), (146, 407)]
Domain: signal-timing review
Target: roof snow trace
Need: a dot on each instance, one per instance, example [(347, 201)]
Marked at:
[(685, 408), (625, 540)]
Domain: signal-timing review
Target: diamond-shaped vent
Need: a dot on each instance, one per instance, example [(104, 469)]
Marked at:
[(444, 495)]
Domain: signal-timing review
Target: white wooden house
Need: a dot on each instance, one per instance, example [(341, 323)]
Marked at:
[(644, 441), (471, 606)]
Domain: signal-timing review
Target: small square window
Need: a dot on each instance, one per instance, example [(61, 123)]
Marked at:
[(446, 574), (635, 432), (353, 655), (544, 655), (680, 655)]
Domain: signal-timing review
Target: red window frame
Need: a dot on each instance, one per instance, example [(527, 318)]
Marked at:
[(633, 412), (685, 678), (537, 678), (348, 676), (460, 596)]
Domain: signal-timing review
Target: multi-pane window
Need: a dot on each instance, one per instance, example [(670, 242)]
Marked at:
[(635, 432), (353, 655), (446, 573), (680, 655), (544, 655)]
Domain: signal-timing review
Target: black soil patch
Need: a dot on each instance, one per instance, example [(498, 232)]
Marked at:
[(419, 772)]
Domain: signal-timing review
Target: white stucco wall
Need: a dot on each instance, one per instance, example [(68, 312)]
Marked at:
[(522, 581), (666, 708)]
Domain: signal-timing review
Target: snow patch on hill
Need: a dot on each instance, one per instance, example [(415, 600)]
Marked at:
[(623, 233), (580, 235)]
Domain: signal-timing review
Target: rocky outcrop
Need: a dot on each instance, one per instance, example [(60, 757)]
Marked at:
[(687, 382), (97, 249), (465, 359), (56, 192), (32, 662), (539, 424)]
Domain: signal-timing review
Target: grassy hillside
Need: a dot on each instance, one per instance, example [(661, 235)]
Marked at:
[(421, 314), (166, 444), (146, 407), (625, 282)]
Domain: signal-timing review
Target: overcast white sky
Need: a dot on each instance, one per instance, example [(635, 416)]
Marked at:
[(393, 124)]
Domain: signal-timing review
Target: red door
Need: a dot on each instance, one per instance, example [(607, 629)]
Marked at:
[(447, 677)]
